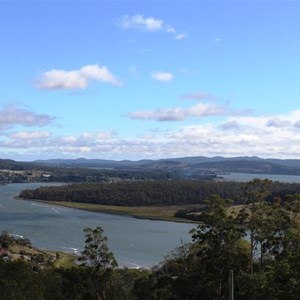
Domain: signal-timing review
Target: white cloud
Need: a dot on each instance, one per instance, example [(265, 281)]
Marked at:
[(69, 139), (251, 136), (31, 135), (11, 116), (229, 125), (141, 23), (277, 122), (229, 136), (105, 135), (149, 24), (75, 79), (179, 114), (170, 29), (170, 114), (204, 109), (180, 36), (297, 124), (198, 96), (70, 149), (28, 140), (162, 76)]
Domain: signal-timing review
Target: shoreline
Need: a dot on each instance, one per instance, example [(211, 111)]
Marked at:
[(153, 213)]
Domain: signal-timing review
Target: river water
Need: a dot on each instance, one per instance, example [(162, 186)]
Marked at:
[(243, 177), (134, 242)]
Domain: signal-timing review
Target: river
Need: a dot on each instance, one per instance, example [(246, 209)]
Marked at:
[(243, 177), (134, 242)]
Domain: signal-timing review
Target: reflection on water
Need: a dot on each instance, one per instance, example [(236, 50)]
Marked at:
[(134, 242)]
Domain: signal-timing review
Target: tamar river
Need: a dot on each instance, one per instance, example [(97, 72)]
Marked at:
[(243, 177), (134, 242)]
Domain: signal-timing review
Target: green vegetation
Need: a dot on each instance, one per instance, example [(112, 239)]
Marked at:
[(64, 260), (150, 193), (139, 193), (165, 213), (265, 267), (12, 172), (197, 168), (173, 200), (15, 248)]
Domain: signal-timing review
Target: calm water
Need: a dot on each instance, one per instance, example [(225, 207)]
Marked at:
[(247, 176), (133, 241)]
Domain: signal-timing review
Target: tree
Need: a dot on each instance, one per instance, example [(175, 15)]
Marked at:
[(96, 253), (100, 261), (293, 205), (5, 240), (253, 214), (219, 247), (19, 282)]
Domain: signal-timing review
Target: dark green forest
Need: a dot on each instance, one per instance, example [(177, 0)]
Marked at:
[(259, 244), (150, 193)]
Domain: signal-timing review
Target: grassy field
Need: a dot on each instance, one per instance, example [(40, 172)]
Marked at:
[(65, 260), (165, 213), (59, 259)]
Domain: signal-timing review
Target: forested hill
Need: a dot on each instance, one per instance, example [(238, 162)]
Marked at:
[(77, 170), (149, 193), (190, 166)]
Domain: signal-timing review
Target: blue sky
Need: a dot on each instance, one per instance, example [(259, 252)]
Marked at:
[(149, 79)]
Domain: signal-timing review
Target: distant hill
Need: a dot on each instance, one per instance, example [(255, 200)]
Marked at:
[(190, 166), (92, 163)]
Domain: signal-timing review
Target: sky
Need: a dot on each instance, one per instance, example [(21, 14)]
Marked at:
[(149, 79)]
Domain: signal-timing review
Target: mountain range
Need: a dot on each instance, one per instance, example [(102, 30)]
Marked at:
[(189, 165)]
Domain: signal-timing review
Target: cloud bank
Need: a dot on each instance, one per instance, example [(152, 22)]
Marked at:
[(234, 136)]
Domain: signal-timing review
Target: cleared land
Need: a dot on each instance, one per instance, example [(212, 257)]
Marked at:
[(65, 260), (165, 213), (59, 259)]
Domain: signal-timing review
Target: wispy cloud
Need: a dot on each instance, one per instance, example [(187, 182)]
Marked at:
[(162, 76), (180, 36), (75, 79), (150, 24), (11, 116), (46, 140), (140, 22), (30, 135), (179, 114), (198, 96), (217, 40)]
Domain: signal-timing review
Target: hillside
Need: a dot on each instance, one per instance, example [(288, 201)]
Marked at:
[(191, 166)]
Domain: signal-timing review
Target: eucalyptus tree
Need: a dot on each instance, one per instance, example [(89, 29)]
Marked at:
[(219, 246), (99, 260), (253, 215)]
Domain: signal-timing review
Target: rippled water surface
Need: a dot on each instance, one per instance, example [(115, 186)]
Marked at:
[(133, 241)]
